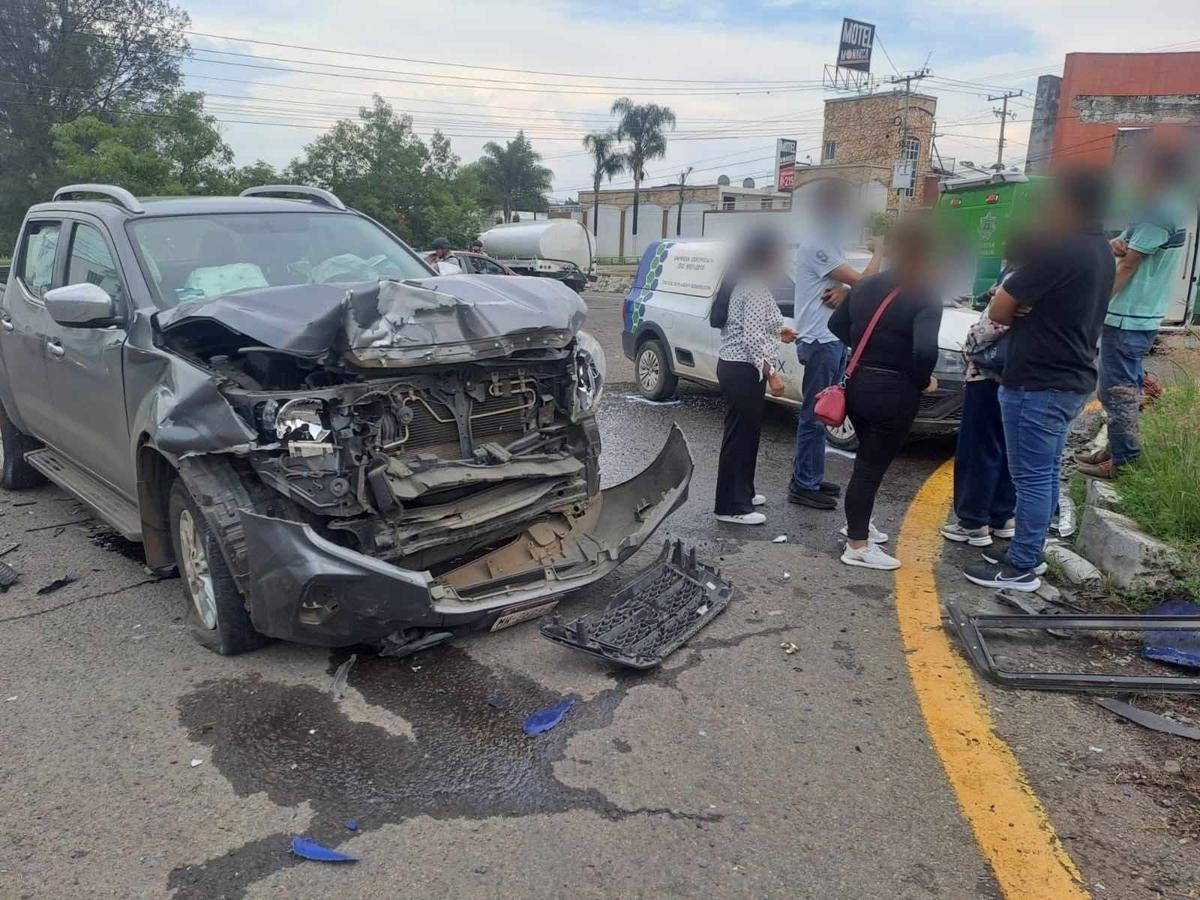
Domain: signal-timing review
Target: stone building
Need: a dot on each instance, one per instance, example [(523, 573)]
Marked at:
[(863, 140)]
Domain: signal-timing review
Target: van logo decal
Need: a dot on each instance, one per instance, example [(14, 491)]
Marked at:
[(635, 305)]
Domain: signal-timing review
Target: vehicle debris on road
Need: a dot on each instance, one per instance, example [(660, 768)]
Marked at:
[(8, 577), (545, 719), (1148, 719), (59, 583), (651, 616), (341, 677), (307, 848), (1176, 648)]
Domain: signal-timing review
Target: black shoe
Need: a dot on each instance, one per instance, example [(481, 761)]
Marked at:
[(1002, 576), (995, 559), (828, 487), (815, 499)]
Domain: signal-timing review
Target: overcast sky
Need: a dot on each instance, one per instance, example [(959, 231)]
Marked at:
[(737, 74)]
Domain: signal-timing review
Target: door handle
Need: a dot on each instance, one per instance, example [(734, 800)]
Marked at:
[(56, 349)]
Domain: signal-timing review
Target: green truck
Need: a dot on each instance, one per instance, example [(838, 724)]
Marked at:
[(978, 213)]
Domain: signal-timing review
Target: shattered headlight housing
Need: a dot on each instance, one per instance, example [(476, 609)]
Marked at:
[(301, 419), (591, 370)]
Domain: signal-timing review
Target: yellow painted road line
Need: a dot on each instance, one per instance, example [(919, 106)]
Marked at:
[(1009, 821)]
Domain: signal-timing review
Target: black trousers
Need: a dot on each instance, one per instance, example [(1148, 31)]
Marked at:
[(744, 390), (881, 405)]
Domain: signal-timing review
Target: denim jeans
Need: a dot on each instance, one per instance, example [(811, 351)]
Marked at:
[(1121, 378), (824, 365), (983, 489), (1035, 430)]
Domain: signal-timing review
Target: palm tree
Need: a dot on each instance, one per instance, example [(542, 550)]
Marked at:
[(513, 176), (607, 162), (642, 126)]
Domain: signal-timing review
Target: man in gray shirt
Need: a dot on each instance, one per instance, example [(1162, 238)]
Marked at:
[(823, 279)]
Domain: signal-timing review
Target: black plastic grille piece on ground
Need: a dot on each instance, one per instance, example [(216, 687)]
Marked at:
[(651, 616)]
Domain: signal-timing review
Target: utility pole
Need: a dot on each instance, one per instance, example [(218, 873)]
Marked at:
[(908, 79), (679, 215), (1004, 115)]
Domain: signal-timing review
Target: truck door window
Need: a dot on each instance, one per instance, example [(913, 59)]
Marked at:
[(37, 256), (91, 262)]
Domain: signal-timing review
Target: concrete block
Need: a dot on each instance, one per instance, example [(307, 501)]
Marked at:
[(1103, 494), (1076, 569), (1125, 553)]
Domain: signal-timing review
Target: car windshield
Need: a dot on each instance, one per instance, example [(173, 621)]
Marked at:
[(187, 259)]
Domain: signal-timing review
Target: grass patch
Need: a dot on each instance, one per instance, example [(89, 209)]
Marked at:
[(1161, 491), (1077, 491)]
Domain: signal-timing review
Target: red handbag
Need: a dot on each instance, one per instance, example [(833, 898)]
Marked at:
[(830, 406)]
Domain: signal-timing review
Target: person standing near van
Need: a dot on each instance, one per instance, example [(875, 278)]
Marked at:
[(892, 320), (751, 326), (823, 278), (1148, 255)]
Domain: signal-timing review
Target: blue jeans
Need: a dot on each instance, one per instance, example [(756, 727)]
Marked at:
[(1035, 430), (824, 365), (983, 489), (1121, 379)]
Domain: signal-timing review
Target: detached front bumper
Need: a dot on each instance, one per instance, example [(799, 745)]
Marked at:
[(304, 588)]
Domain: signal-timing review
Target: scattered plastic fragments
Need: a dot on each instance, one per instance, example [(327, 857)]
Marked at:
[(352, 824), (10, 549), (196, 762), (1148, 719), (1178, 648), (8, 577), (789, 647), (307, 848), (637, 398), (787, 576), (341, 677), (779, 539), (545, 719), (59, 583)]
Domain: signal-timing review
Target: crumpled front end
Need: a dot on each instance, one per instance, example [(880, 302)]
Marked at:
[(303, 587)]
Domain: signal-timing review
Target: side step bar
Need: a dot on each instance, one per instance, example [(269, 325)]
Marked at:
[(108, 504)]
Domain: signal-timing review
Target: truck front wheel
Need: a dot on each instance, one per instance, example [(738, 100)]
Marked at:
[(214, 610), (15, 473)]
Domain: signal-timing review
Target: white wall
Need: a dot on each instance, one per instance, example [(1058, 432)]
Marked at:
[(649, 229)]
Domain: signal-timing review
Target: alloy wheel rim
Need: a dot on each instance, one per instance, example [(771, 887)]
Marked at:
[(842, 432), (196, 571), (648, 370)]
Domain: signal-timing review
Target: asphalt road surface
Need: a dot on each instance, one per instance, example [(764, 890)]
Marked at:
[(135, 763)]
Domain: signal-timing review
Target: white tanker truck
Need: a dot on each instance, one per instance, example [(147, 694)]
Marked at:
[(549, 248)]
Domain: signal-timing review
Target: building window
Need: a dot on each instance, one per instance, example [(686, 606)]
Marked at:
[(909, 155), (727, 202), (766, 203), (828, 151)]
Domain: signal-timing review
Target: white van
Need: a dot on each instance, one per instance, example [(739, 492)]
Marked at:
[(667, 335)]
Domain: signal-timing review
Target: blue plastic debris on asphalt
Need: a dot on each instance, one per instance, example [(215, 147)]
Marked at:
[(352, 824), (1179, 648), (310, 849), (545, 719)]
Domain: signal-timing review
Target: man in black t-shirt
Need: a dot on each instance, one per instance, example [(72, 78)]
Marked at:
[(1056, 305)]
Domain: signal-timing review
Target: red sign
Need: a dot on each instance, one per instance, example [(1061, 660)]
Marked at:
[(787, 179)]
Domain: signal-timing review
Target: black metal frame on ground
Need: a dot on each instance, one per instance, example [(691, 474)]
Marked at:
[(970, 633)]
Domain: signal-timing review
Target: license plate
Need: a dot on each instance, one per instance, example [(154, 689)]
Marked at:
[(517, 616)]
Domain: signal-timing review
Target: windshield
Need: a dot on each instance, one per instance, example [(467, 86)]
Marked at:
[(191, 258)]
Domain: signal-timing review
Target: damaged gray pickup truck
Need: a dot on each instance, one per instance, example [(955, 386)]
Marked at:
[(334, 446)]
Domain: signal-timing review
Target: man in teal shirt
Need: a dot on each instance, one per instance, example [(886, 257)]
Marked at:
[(1149, 253)]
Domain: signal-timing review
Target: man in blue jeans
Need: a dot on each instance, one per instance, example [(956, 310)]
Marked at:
[(823, 278), (1055, 304), (1149, 253)]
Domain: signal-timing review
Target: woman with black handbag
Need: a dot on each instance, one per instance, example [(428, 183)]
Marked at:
[(892, 321)]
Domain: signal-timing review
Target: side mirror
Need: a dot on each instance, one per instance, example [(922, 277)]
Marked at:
[(83, 305)]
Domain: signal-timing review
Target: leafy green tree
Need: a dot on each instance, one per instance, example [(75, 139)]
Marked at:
[(643, 127), (607, 162), (513, 176), (238, 178), (61, 60), (171, 148), (378, 165)]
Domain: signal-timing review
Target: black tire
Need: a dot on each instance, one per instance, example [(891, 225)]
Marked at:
[(652, 369), (229, 630), (842, 438), (15, 473)]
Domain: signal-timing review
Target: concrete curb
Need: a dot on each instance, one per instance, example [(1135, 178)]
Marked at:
[(1126, 554)]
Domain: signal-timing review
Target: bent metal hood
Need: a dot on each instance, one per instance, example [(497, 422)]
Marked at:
[(391, 323)]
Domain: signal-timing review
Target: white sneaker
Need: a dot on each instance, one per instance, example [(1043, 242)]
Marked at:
[(874, 535), (869, 557), (976, 537), (1006, 533), (750, 518), (758, 500)]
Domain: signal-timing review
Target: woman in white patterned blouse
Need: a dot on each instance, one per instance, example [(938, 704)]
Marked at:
[(751, 328)]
